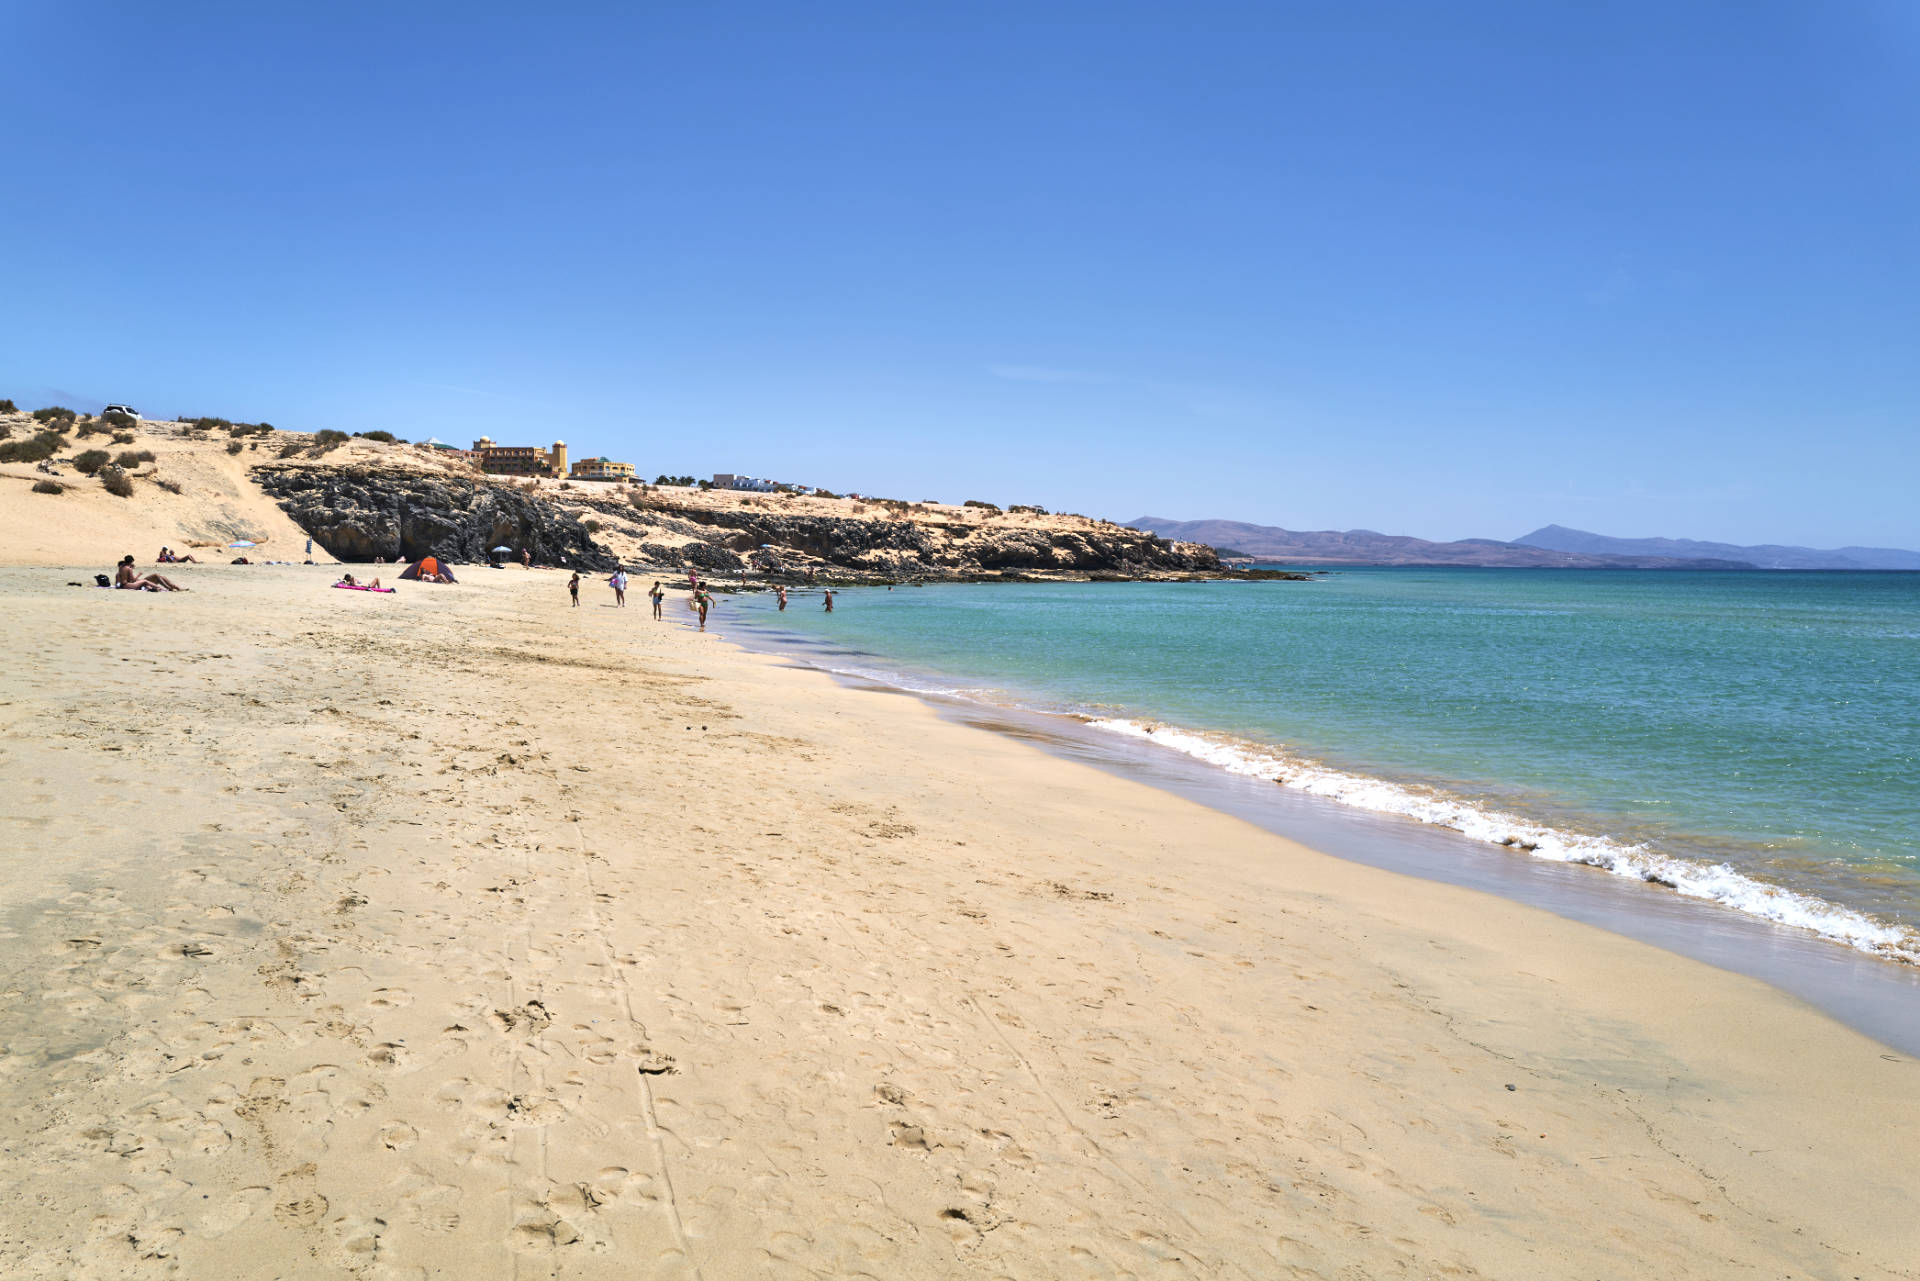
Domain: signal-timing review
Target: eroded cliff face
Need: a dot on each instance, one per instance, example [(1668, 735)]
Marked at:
[(360, 513), (935, 549)]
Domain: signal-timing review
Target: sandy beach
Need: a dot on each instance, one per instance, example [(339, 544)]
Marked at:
[(461, 934)]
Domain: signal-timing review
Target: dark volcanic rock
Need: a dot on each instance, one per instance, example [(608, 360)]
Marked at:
[(700, 555), (926, 549), (359, 513)]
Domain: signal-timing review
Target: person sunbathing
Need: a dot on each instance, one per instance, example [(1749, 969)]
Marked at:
[(347, 580), (129, 578)]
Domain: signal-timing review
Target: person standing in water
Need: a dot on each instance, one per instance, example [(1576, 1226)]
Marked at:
[(573, 588), (656, 596), (829, 595), (783, 599), (702, 602), (619, 584)]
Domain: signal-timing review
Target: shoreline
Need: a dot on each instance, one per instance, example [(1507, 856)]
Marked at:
[(461, 929), (1874, 995), (1548, 841)]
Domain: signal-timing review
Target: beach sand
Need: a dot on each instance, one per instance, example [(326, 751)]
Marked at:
[(461, 934)]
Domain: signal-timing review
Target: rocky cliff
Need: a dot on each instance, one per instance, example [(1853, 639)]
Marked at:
[(359, 513), (900, 546), (362, 510)]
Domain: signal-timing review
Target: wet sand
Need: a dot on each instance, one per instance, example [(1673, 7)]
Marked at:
[(1878, 997), (458, 933)]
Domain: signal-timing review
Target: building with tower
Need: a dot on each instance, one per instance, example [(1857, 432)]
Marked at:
[(520, 460)]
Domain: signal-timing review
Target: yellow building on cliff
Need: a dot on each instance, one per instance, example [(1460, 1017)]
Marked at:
[(601, 469), (520, 460)]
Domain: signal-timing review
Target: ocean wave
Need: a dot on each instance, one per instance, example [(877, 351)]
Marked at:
[(1713, 882)]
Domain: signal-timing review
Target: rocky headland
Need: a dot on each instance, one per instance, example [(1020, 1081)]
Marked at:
[(210, 485), (363, 513)]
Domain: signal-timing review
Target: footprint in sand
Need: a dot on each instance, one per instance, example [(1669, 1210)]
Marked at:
[(398, 1136), (231, 1210), (304, 1210)]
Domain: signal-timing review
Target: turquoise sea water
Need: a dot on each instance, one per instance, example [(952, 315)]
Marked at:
[(1751, 739)]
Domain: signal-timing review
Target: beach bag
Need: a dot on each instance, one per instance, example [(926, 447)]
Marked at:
[(101, 580)]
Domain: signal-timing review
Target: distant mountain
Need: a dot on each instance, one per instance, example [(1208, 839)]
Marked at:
[(1767, 556), (1365, 547)]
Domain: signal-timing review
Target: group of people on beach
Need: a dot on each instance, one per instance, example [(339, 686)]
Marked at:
[(700, 598)]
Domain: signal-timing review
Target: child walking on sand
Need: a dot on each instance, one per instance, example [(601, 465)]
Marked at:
[(573, 588), (657, 596)]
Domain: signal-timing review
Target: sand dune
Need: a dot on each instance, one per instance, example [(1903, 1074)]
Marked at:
[(217, 504), (461, 934)]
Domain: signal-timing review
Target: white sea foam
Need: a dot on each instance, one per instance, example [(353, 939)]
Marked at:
[(1697, 879), (1715, 882)]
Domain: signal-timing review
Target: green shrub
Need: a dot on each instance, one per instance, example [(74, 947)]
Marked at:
[(592, 526), (208, 424), (385, 437), (86, 429), (8, 407), (987, 507), (123, 438), (235, 446), (172, 487), (289, 449), (118, 483), (131, 459), (119, 421), (329, 439), (90, 462), (35, 449), (48, 487), (55, 413)]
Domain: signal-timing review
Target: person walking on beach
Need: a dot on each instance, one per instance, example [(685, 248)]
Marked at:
[(829, 600), (702, 602), (526, 559), (573, 588), (657, 596), (783, 600), (619, 584)]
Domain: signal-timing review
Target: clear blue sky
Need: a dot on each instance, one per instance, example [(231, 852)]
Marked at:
[(1443, 269)]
